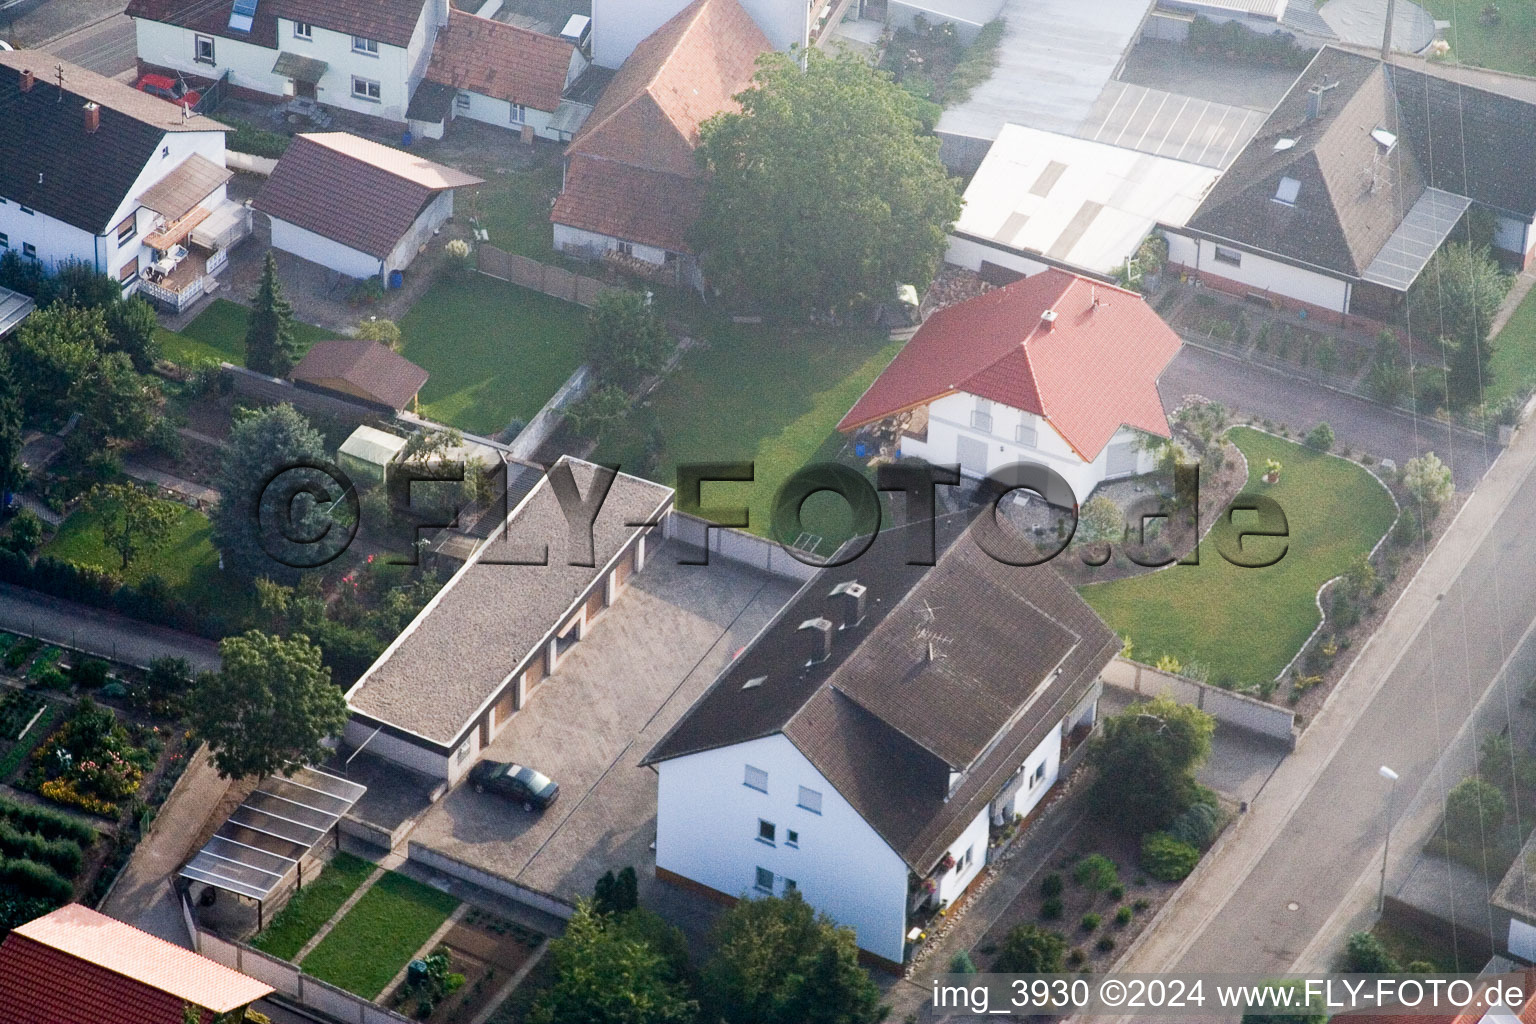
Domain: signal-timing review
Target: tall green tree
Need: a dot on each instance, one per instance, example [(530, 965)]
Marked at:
[(1454, 300), (607, 974), (826, 189), (12, 473), (259, 446), (132, 520), (1145, 760), (269, 709), (270, 346), (63, 363), (776, 961), (626, 340), (132, 324)]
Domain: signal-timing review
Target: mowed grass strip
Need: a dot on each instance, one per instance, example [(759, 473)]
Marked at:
[(1244, 625), (1512, 370), (312, 906), (379, 935), (218, 334)]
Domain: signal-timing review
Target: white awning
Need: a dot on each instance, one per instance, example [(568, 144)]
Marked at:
[(1427, 225)]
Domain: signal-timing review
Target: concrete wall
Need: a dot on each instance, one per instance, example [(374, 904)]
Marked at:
[(419, 758), (547, 419), (437, 213), (707, 823), (1234, 709), (736, 546), (541, 901), (901, 14)]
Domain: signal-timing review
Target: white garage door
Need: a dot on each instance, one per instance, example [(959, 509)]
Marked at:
[(972, 455)]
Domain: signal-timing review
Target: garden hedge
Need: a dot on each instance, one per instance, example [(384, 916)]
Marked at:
[(30, 878), (46, 822), (63, 855)]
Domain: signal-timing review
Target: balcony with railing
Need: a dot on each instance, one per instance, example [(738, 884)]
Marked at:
[(191, 279)]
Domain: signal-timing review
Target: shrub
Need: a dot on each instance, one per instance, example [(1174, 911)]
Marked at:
[(961, 963), (1364, 954), (1474, 808), (26, 532), (1029, 949), (1075, 958), (247, 138), (1095, 872), (1051, 909), (33, 879), (1198, 825), (1320, 438), (458, 258), (1051, 885), (46, 822), (63, 855), (1141, 905), (1115, 892), (1090, 922), (88, 673), (1123, 917), (1105, 944), (1167, 859)]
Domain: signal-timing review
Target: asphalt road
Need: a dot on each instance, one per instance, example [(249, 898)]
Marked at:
[(1317, 830), (107, 47), (100, 632), (1301, 404)]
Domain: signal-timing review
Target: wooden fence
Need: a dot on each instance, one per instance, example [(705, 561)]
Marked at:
[(556, 282)]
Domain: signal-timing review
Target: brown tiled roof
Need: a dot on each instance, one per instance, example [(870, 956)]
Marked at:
[(629, 202), (966, 666), (502, 61), (76, 964), (388, 21), (359, 193), (368, 367), (633, 174), (193, 180)]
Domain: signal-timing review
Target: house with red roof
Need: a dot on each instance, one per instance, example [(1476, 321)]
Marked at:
[(1055, 369), (79, 965), (632, 181)]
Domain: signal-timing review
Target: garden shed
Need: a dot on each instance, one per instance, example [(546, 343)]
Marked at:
[(368, 451)]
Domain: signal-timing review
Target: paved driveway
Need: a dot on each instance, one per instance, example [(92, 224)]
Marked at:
[(646, 661), (1301, 405), (1055, 58)]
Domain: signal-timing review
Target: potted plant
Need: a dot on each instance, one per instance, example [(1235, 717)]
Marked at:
[(1272, 469), (947, 863)]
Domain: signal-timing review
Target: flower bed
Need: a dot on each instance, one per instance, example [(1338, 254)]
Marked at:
[(93, 761)]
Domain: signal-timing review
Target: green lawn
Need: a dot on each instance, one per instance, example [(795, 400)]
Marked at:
[(1514, 354), (312, 906), (1509, 45), (767, 394), (514, 209), (1244, 625), (495, 351), (218, 334), (379, 935)]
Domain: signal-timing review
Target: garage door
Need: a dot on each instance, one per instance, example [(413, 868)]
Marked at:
[(537, 671), (504, 709), (972, 455), (595, 603), (626, 568)]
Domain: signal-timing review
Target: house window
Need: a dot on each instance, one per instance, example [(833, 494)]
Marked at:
[(765, 879), (756, 779), (368, 46), (202, 49), (791, 838), (519, 113), (626, 248), (965, 862), (1286, 192), (981, 416), (789, 885), (27, 210), (461, 101), (303, 30), (767, 832), (1231, 257), (810, 799), (5, 240), (127, 229), (29, 250), (129, 273), (365, 89), (1037, 776), (1025, 434)]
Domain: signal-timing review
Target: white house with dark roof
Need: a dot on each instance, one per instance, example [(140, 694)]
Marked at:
[(864, 747), (1360, 173), (367, 56), (498, 629), (95, 171)]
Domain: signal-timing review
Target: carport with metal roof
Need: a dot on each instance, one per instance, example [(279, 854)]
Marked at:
[(268, 836)]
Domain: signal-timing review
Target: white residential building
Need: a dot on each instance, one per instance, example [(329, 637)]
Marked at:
[(95, 171), (866, 747)]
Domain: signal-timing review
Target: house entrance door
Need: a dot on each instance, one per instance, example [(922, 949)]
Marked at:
[(304, 90), (972, 455)]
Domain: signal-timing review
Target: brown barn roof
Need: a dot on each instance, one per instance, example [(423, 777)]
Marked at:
[(502, 61), (359, 193), (375, 370), (629, 202)]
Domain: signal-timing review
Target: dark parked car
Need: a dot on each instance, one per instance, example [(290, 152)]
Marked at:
[(534, 789)]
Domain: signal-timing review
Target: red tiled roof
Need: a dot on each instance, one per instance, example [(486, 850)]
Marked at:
[(78, 965), (648, 118), (371, 368), (502, 61), (387, 21), (1091, 372), (624, 201)]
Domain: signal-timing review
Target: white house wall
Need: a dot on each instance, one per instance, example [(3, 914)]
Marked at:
[(1029, 794), (618, 26), (302, 242), (433, 217), (949, 419), (580, 240), (1266, 275), (707, 828), (382, 744), (963, 252), (973, 844), (55, 240), (497, 112)]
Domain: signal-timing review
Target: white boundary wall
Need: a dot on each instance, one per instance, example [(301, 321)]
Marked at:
[(736, 546), (447, 865), (1234, 709)]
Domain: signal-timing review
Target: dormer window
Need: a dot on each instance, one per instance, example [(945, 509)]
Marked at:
[(1286, 191)]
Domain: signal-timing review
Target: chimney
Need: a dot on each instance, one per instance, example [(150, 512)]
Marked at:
[(1048, 319), (819, 631), (92, 118), (28, 79), (848, 598)]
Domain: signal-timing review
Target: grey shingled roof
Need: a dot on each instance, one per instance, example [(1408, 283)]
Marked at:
[(884, 722), (486, 621)]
